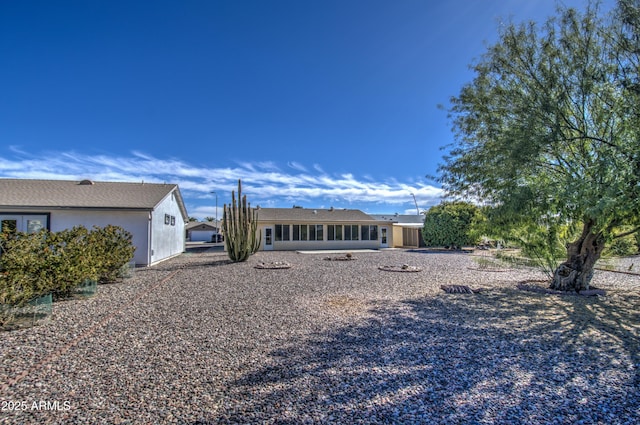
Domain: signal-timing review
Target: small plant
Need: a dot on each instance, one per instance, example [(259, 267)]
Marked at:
[(485, 263)]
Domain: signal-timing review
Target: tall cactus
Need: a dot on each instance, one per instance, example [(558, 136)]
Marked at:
[(239, 224)]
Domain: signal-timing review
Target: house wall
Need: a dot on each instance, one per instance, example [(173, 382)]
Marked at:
[(292, 245), (167, 236), (201, 235), (165, 242), (397, 237), (135, 222)]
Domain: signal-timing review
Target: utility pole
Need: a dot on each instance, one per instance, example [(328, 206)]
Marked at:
[(217, 225), (416, 202)]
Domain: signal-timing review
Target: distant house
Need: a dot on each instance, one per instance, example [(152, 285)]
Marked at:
[(153, 213), (314, 229), (201, 231), (407, 229)]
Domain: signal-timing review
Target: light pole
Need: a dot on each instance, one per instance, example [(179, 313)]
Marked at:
[(416, 202), (217, 226)]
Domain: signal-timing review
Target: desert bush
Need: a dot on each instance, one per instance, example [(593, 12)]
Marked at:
[(622, 247), (451, 224), (35, 264), (112, 246), (24, 273)]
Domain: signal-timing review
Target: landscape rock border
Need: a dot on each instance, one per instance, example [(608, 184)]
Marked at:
[(347, 257), (273, 265), (405, 268)]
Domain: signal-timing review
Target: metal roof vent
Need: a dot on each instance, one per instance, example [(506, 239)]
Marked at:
[(86, 182)]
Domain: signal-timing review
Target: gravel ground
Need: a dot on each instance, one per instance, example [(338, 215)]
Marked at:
[(198, 340)]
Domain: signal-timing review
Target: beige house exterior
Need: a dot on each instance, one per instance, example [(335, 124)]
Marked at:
[(407, 229), (297, 228), (154, 214)]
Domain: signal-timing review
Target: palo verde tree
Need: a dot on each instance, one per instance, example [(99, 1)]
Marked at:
[(548, 131)]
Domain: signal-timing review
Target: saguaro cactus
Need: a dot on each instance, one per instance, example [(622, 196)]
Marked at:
[(239, 225)]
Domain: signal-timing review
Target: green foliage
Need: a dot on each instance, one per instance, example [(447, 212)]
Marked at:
[(35, 264), (450, 224), (113, 246), (239, 225), (24, 269), (622, 246), (549, 128), (544, 244)]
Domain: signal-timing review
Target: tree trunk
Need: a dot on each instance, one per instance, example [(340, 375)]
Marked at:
[(575, 274)]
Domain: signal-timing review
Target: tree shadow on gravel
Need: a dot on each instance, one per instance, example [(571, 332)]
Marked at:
[(501, 357)]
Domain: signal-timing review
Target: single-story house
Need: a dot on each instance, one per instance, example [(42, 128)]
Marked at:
[(315, 229), (198, 231), (153, 213), (407, 229)]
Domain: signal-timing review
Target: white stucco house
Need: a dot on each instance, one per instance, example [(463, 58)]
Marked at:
[(153, 213)]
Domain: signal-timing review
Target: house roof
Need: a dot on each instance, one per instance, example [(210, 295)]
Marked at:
[(309, 215), (200, 225), (400, 218), (87, 194)]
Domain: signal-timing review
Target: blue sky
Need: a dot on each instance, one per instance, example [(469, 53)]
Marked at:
[(312, 103)]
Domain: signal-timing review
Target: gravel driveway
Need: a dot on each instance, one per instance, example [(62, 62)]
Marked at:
[(198, 340)]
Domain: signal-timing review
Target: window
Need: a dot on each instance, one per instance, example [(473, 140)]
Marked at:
[(334, 232), (312, 232), (34, 226), (351, 232), (369, 233), (296, 232), (27, 223), (319, 232), (303, 232), (9, 226), (282, 232)]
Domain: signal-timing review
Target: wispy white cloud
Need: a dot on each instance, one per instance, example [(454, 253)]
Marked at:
[(297, 166), (264, 182)]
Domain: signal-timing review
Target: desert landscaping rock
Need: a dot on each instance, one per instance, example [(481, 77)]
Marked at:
[(197, 339), (405, 268), (273, 265)]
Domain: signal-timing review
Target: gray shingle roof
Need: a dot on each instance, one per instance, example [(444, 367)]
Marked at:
[(200, 225), (400, 218), (311, 215), (25, 193)]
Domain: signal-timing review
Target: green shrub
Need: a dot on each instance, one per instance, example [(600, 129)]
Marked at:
[(35, 264), (450, 224), (24, 273), (622, 247), (113, 247)]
